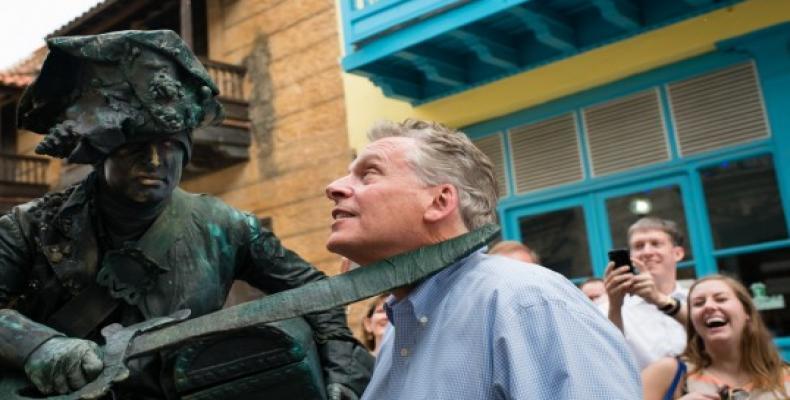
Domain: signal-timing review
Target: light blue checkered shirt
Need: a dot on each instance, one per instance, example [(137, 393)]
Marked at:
[(493, 328)]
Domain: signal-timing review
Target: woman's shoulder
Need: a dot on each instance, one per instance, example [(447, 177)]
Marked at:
[(658, 376)]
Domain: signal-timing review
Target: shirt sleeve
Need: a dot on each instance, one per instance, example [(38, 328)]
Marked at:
[(556, 350)]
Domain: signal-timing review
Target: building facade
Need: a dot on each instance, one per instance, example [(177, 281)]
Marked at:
[(596, 113)]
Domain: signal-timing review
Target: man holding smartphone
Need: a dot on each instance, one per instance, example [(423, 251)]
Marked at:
[(649, 307)]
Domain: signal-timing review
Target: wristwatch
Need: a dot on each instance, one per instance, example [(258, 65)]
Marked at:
[(672, 307)]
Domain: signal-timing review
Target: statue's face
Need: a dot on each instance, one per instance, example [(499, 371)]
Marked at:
[(145, 172)]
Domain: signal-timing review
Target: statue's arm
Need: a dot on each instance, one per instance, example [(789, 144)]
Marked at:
[(273, 268), (19, 336)]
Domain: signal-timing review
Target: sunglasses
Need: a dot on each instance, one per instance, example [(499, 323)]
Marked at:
[(725, 393)]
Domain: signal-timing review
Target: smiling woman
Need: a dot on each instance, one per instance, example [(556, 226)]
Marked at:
[(729, 354)]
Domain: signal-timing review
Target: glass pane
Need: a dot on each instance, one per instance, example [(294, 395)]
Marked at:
[(771, 269), (560, 239), (743, 202), (664, 202), (686, 275)]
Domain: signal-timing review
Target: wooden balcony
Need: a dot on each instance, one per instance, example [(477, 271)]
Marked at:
[(22, 178), (227, 144)]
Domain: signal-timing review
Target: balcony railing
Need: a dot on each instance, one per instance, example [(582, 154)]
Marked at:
[(215, 147), (228, 77), (22, 178), (24, 170)]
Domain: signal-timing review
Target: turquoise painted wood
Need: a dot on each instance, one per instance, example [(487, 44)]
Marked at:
[(423, 50)]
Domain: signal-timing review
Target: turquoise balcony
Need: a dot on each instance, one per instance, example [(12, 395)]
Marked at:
[(424, 50)]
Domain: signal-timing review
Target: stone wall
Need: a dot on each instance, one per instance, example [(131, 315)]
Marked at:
[(291, 50)]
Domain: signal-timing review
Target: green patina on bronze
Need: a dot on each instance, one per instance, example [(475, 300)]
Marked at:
[(398, 271)]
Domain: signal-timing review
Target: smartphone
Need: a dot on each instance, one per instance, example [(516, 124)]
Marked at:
[(622, 257)]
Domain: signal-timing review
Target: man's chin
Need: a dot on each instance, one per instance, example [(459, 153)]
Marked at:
[(335, 245)]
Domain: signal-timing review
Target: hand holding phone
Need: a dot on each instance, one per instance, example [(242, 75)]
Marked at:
[(622, 257)]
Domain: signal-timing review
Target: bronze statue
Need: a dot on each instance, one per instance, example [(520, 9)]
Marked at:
[(126, 245)]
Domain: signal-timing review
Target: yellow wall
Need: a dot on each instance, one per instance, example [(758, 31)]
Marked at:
[(365, 103)]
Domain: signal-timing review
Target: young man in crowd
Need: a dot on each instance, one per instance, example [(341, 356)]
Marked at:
[(649, 307)]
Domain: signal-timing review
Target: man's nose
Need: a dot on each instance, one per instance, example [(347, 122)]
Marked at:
[(153, 156), (338, 189)]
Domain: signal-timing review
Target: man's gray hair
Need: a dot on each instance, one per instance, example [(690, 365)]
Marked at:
[(445, 155), (653, 223)]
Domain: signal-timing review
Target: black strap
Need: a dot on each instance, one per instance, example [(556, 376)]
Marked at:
[(82, 314)]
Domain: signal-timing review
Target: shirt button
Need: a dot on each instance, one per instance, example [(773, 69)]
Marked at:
[(404, 352), (423, 320)]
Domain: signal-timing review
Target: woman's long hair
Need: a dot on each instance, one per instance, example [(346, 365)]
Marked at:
[(759, 356)]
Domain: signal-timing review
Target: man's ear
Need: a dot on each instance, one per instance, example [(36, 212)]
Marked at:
[(444, 203), (678, 252)]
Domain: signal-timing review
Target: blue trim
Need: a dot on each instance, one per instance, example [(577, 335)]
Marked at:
[(420, 31), (686, 264), (783, 344), (378, 33), (668, 122), (345, 17), (752, 248), (700, 223), (598, 244), (584, 150), (510, 182)]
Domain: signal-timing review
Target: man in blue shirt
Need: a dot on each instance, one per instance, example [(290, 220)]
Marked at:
[(484, 328)]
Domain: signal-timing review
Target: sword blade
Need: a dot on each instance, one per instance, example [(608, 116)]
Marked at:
[(379, 277)]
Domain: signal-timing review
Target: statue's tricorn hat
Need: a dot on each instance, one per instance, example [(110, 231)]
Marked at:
[(88, 101)]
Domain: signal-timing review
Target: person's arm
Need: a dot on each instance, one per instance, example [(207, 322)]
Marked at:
[(18, 335), (271, 267), (560, 349), (52, 362), (657, 378), (645, 287)]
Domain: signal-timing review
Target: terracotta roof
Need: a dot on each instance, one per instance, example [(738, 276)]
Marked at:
[(76, 21), (22, 73)]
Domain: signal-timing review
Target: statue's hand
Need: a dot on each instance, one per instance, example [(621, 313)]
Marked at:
[(62, 365), (337, 391)]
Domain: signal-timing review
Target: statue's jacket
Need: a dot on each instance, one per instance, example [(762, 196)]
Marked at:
[(49, 252)]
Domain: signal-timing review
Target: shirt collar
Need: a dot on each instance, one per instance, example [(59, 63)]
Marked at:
[(430, 291)]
